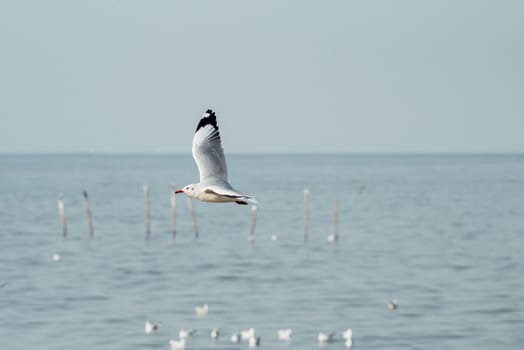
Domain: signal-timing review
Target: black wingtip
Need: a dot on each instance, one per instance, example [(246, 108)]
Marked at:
[(210, 118)]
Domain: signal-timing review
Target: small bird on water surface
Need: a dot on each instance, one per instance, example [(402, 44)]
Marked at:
[(325, 337), (248, 334), (285, 334), (150, 327), (254, 342), (209, 156), (177, 344), (235, 337), (183, 334), (214, 333), (392, 305), (202, 310), (348, 336)]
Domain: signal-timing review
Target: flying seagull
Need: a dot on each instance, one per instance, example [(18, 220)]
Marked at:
[(209, 157)]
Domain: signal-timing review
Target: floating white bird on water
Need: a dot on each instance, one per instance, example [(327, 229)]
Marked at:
[(348, 334), (274, 237), (209, 157), (235, 337), (56, 257), (247, 334), (177, 344), (325, 337), (202, 310), (183, 334), (150, 327), (285, 334), (214, 333), (254, 342), (392, 305)]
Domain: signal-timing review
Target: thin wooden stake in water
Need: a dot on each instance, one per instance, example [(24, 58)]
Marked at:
[(88, 214), (335, 219), (61, 211), (173, 209), (306, 215), (334, 236), (193, 216), (148, 212), (251, 237)]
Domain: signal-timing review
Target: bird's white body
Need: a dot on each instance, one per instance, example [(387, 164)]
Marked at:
[(183, 334), (209, 156), (202, 310), (177, 344), (325, 337), (150, 327), (392, 305), (285, 334), (348, 334), (332, 238), (247, 334), (349, 343), (254, 342), (235, 338), (214, 334)]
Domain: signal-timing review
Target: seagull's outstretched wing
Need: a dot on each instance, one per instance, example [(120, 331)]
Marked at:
[(207, 149)]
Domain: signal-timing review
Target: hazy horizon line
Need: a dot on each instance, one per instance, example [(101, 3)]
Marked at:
[(429, 153)]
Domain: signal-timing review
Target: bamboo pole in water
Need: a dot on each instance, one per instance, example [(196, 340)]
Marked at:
[(306, 215), (251, 236), (193, 216), (173, 210), (148, 212), (333, 237), (335, 219), (61, 211), (88, 214)]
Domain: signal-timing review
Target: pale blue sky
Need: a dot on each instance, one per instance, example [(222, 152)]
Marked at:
[(282, 76)]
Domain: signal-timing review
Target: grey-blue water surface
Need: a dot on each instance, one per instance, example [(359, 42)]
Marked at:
[(443, 235)]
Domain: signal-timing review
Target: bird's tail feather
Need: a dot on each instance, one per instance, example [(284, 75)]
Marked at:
[(250, 200)]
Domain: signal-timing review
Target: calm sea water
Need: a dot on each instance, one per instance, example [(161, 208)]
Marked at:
[(443, 235)]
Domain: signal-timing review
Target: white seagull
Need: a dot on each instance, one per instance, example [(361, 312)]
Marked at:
[(183, 334), (332, 238), (254, 342), (209, 157), (177, 344), (214, 333), (202, 310), (235, 338), (247, 334), (150, 327), (392, 305), (325, 337), (285, 334), (348, 334)]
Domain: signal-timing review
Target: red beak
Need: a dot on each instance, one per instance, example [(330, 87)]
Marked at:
[(179, 191)]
